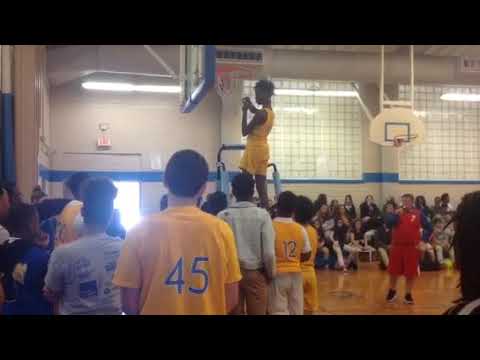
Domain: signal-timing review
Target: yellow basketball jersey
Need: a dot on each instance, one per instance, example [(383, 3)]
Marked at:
[(289, 242), (313, 237), (259, 134), (180, 260)]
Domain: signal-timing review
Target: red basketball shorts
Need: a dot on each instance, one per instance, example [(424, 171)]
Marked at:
[(404, 260)]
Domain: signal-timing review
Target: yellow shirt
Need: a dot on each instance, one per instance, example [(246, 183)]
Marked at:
[(291, 240), (259, 134), (313, 238), (180, 260), (66, 232)]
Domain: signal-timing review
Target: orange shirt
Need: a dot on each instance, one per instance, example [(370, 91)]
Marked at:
[(181, 260), (291, 240), (313, 239)]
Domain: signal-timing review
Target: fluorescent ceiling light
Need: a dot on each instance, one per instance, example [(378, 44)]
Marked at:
[(331, 93), (126, 87), (460, 97)]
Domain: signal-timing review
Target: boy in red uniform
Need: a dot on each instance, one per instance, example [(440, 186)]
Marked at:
[(406, 224)]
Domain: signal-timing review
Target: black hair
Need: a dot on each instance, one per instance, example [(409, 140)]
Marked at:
[(14, 195), (20, 221), (303, 210), (420, 201), (98, 196), (267, 86), (287, 203), (467, 246), (164, 202), (243, 187), (215, 203), (186, 173), (74, 183)]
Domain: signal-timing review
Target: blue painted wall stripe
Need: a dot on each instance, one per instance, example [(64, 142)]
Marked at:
[(157, 176), (8, 135)]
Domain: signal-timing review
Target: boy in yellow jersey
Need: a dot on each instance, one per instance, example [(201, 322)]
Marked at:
[(257, 152), (303, 216), (291, 248), (181, 261)]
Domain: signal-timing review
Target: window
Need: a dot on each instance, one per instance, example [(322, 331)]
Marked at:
[(315, 137), (128, 202), (451, 150)]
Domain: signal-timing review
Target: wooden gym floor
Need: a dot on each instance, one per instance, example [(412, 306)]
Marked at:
[(363, 292)]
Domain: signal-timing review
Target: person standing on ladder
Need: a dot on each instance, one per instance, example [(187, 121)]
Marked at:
[(257, 152)]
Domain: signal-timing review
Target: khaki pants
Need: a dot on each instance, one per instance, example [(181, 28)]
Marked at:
[(252, 293), (285, 294)]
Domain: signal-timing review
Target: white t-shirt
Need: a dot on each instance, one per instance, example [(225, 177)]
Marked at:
[(82, 273), (4, 235)]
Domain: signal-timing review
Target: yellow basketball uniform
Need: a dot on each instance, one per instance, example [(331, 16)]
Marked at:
[(181, 260), (257, 152), (286, 289), (310, 293)]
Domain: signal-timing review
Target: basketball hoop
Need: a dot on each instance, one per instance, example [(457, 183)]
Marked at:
[(229, 78)]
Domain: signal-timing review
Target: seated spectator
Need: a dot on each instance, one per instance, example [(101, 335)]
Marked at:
[(391, 200), (323, 258), (80, 274), (441, 242), (467, 252), (317, 204), (355, 244), (326, 221), (350, 208), (338, 244), (383, 238), (370, 214), (437, 207), (215, 203), (341, 213), (24, 262), (421, 204), (334, 206), (445, 204)]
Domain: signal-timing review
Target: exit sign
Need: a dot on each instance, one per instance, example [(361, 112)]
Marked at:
[(469, 65), (104, 142)]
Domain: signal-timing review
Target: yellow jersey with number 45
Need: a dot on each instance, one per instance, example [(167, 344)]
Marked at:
[(180, 260), (291, 240)]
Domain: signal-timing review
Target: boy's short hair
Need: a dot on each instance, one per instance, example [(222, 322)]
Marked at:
[(98, 197), (287, 202), (215, 203), (303, 210), (243, 186), (74, 183), (410, 196), (186, 173), (266, 85)]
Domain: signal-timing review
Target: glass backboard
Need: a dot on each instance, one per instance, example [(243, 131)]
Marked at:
[(197, 74)]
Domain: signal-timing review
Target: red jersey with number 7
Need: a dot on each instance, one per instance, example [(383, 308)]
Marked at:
[(407, 230)]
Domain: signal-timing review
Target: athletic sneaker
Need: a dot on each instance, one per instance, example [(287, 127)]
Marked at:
[(409, 299), (392, 295)]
